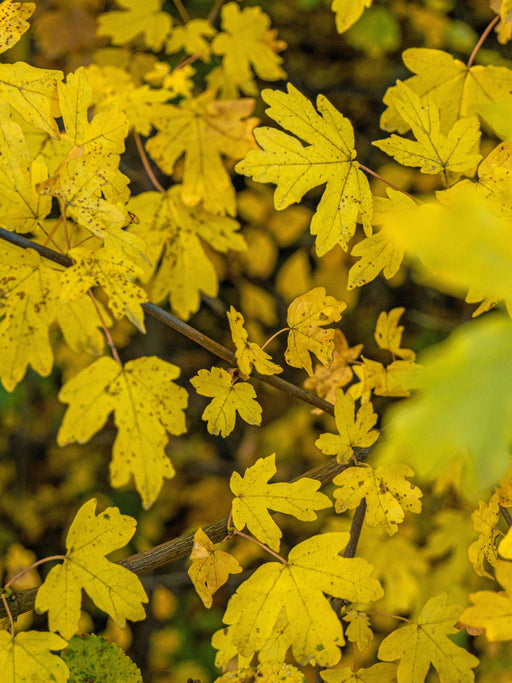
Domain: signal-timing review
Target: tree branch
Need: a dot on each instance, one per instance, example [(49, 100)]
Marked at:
[(170, 551), (183, 328)]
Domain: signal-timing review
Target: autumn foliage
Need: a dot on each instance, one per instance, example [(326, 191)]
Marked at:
[(360, 527)]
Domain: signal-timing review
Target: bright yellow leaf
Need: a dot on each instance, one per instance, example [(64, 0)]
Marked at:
[(314, 567), (329, 157), (339, 373), (174, 234), (147, 404), (246, 42), (28, 657), (81, 325), (108, 269), (254, 496), (396, 379), (388, 493), (353, 432), (491, 610), (457, 91), (307, 314), (203, 131), (28, 293), (21, 206), (114, 589), (427, 643), (388, 334), (210, 568), (347, 12), (249, 354), (146, 18), (485, 520), (432, 151), (358, 630), (228, 399), (32, 92), (378, 252)]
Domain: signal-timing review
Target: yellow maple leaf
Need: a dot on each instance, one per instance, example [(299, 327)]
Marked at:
[(114, 589), (347, 12), (246, 42), (174, 233), (485, 520), (134, 19), (255, 496), (328, 158), (314, 567), (204, 131), (82, 326), (28, 293), (339, 372), (113, 87), (27, 656), (427, 642), (504, 28), (388, 493), (249, 354), (13, 22), (228, 399), (491, 610), (456, 90), (147, 404), (377, 673), (307, 314), (358, 630), (432, 151), (388, 334), (105, 133), (353, 432), (210, 568), (396, 379), (21, 206), (192, 38), (32, 92), (106, 268)]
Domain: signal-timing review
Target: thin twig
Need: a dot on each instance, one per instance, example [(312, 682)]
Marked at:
[(182, 11), (170, 551), (145, 162), (482, 39), (214, 11), (506, 515), (184, 329)]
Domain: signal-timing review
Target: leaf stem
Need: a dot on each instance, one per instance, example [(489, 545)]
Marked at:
[(182, 11), (481, 40), (35, 564), (285, 329), (145, 162), (262, 545), (386, 182), (214, 11), (8, 613), (110, 341), (506, 515)]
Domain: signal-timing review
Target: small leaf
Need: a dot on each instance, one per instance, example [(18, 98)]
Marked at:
[(227, 400), (249, 354), (92, 658)]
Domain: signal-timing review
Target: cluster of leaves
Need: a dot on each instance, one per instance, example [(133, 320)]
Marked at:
[(82, 257)]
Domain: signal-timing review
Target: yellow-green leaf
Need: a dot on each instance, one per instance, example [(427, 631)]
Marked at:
[(28, 657), (388, 334), (347, 12), (114, 589), (254, 497), (146, 18)]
